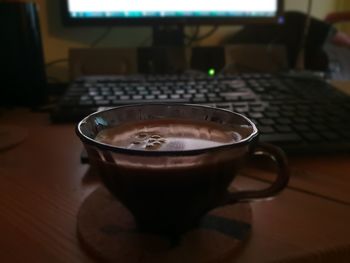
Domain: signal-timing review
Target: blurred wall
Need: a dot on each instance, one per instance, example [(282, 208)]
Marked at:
[(344, 5), (57, 40)]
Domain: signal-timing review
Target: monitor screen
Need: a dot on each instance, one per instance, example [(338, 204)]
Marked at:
[(149, 12)]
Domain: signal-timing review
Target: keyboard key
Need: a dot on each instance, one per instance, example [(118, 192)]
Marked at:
[(162, 97), (187, 96), (272, 114), (255, 121), (288, 108), (329, 135), (85, 97), (132, 92), (319, 127), (106, 93), (119, 93), (266, 121), (124, 102), (224, 106), (111, 97), (97, 98), (345, 134), (155, 92), (316, 119), (266, 129), (255, 115), (301, 127), (273, 109), (231, 96), (312, 136), (102, 102), (283, 128), (86, 103), (300, 120), (288, 113), (93, 93), (278, 137), (216, 100), (199, 100), (124, 97), (283, 121), (257, 108), (212, 95), (241, 109), (175, 96), (247, 97)]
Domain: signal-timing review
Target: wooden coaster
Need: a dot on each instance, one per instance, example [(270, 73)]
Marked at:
[(108, 231), (10, 136)]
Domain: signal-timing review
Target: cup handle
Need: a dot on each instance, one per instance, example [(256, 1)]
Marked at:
[(278, 157)]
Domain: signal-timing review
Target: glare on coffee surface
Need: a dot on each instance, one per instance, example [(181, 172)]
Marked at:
[(170, 135)]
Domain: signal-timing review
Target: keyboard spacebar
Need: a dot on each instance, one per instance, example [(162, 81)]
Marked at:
[(128, 102), (124, 102)]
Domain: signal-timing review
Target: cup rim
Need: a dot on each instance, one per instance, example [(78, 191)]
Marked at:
[(87, 140)]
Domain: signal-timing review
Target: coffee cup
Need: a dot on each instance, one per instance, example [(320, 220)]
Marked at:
[(170, 164)]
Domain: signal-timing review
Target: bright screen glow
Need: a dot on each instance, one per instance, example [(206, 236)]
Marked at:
[(171, 8)]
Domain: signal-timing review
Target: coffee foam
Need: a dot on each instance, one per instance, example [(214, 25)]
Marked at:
[(169, 135)]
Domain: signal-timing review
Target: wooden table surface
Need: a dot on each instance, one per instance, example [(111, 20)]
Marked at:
[(43, 183)]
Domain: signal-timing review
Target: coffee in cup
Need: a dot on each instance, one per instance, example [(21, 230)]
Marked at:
[(170, 135), (171, 164)]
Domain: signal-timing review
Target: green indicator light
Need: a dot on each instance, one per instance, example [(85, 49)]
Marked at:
[(211, 72)]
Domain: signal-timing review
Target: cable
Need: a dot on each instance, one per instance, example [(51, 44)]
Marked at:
[(52, 79), (145, 41), (299, 64), (195, 37), (56, 61), (93, 44), (208, 34), (51, 63), (279, 62), (101, 37), (191, 38)]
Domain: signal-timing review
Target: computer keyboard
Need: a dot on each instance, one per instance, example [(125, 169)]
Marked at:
[(301, 115)]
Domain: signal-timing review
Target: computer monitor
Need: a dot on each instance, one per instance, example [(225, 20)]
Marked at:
[(161, 13), (169, 12)]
